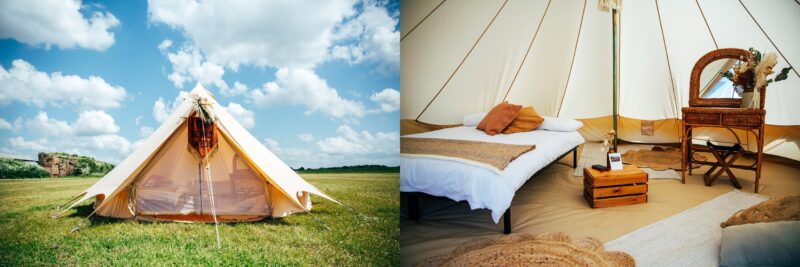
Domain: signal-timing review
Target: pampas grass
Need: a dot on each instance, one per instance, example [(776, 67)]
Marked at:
[(765, 68), (203, 109), (752, 73), (606, 5)]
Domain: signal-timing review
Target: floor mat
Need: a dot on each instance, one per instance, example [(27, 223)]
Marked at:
[(592, 153), (689, 238), (657, 158), (665, 174)]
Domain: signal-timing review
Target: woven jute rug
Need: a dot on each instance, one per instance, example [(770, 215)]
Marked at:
[(689, 238), (658, 158), (520, 249), (785, 208)]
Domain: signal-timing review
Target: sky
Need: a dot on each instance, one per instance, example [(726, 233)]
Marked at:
[(316, 81)]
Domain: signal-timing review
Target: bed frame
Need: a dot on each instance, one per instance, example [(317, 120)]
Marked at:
[(413, 197)]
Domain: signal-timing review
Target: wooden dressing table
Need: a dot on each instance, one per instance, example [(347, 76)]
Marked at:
[(719, 113)]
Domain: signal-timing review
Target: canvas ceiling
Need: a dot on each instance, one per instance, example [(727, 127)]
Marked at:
[(461, 57)]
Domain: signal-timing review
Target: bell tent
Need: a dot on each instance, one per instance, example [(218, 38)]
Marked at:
[(191, 170), (464, 57)]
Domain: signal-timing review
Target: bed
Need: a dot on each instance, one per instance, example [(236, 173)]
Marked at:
[(481, 187)]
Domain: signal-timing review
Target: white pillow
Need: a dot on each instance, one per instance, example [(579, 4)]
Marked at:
[(560, 124), (473, 119)]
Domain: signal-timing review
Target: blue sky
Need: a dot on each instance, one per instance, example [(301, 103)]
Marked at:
[(317, 82)]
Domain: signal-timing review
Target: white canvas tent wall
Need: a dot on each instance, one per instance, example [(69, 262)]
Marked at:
[(153, 182), (462, 57)]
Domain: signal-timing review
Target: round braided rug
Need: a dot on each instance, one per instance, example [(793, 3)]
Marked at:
[(546, 249)]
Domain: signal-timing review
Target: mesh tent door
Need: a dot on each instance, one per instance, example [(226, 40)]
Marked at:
[(172, 183), (238, 190)]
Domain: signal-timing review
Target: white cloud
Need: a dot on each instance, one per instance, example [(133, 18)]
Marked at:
[(56, 22), (44, 125), (388, 99), (348, 147), (306, 137), (350, 141), (294, 157), (189, 65), (160, 112), (23, 83), (372, 37), (261, 33), (106, 142), (91, 122), (95, 122), (162, 109), (20, 142), (5, 125), (237, 89), (93, 133), (244, 116), (304, 87), (145, 131), (138, 120), (164, 45)]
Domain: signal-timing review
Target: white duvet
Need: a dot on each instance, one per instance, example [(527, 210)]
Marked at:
[(482, 187)]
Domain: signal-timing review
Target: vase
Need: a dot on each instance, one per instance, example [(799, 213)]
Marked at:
[(751, 99)]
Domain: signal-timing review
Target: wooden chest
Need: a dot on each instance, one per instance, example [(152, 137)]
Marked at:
[(614, 188)]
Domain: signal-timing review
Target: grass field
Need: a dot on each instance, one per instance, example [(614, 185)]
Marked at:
[(29, 237)]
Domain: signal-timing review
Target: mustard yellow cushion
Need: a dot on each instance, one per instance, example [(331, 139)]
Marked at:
[(527, 120)]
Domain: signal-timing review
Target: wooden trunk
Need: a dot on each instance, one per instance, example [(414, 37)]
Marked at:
[(614, 188), (202, 143)]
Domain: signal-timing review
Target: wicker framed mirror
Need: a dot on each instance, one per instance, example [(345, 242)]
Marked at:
[(706, 74)]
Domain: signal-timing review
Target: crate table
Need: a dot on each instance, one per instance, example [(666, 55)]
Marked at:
[(614, 188)]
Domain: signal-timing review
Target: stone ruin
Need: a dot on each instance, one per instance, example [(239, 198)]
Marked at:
[(56, 165)]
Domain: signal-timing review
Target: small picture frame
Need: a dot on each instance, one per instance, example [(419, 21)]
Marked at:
[(615, 160)]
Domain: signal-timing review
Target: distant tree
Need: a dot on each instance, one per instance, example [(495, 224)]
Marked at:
[(10, 168)]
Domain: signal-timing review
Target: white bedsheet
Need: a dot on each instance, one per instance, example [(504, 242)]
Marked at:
[(482, 187)]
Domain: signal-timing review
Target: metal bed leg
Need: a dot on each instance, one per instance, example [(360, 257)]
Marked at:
[(575, 157), (413, 206), (507, 221)]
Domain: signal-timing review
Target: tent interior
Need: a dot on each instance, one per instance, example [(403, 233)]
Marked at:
[(465, 57)]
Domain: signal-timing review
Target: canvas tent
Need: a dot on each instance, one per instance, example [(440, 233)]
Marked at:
[(463, 57), (163, 180)]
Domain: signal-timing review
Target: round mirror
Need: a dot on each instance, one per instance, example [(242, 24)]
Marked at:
[(713, 84)]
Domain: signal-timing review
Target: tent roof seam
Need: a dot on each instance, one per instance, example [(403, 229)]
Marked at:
[(464, 59), (768, 38), (535, 34), (571, 64), (423, 20)]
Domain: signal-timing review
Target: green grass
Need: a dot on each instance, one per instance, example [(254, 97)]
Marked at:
[(353, 169), (29, 237)]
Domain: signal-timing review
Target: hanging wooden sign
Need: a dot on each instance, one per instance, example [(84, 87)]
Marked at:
[(202, 135)]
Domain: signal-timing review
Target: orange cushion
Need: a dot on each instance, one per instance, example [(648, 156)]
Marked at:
[(499, 118), (527, 120)]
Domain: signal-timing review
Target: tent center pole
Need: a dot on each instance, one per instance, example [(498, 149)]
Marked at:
[(615, 83)]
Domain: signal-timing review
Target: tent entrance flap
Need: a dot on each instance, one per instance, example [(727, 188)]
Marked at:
[(174, 183)]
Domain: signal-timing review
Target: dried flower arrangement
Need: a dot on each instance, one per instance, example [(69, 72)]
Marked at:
[(753, 74), (608, 140)]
